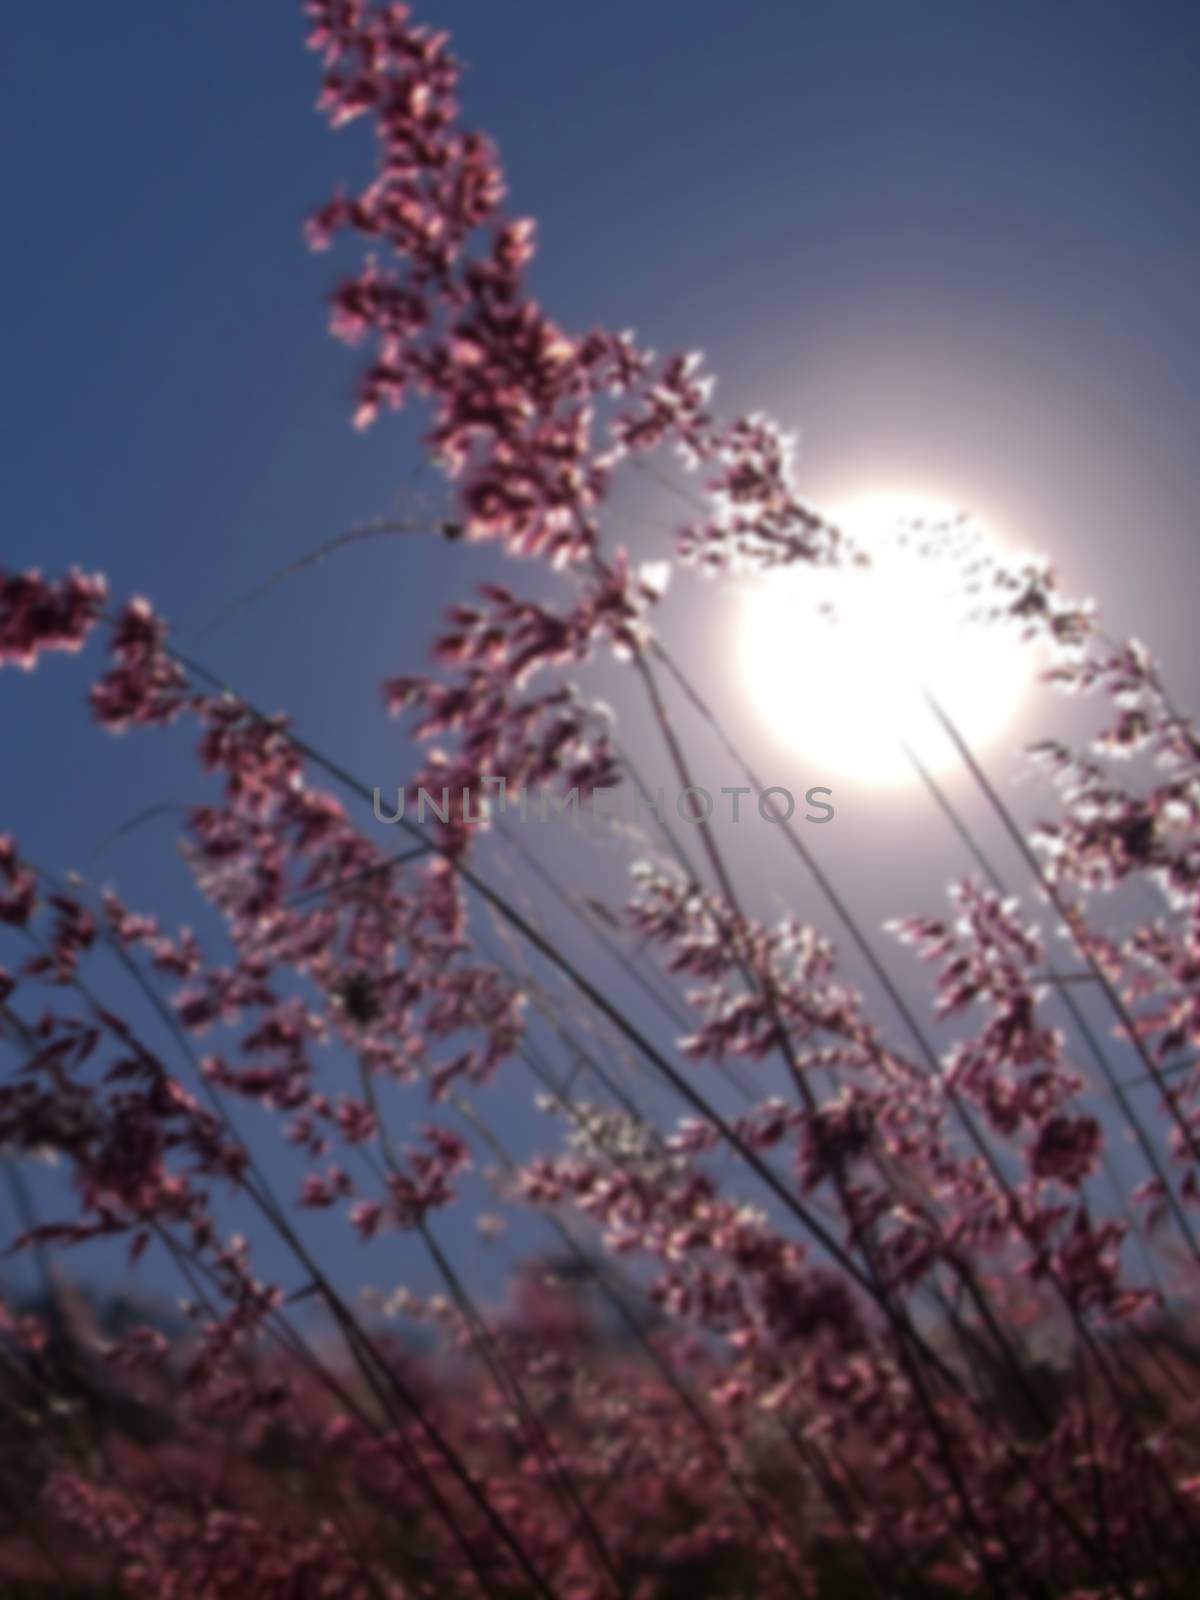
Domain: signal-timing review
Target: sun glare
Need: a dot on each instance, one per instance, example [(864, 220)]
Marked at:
[(838, 661)]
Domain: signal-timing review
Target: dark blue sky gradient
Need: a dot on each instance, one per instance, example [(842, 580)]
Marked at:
[(955, 246)]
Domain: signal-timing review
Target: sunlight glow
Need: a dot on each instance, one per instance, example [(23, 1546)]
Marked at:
[(837, 661)]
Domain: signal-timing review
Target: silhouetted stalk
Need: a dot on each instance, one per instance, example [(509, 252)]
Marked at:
[(866, 949), (863, 944), (507, 1381), (896, 1316), (900, 1325), (902, 1328), (742, 1088), (281, 1328), (200, 1295), (1069, 1003), (614, 1289), (658, 994), (1015, 834), (1070, 922)]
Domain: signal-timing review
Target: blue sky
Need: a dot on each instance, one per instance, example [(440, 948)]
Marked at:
[(954, 246)]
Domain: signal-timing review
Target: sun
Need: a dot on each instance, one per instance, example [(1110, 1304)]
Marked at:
[(838, 662)]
